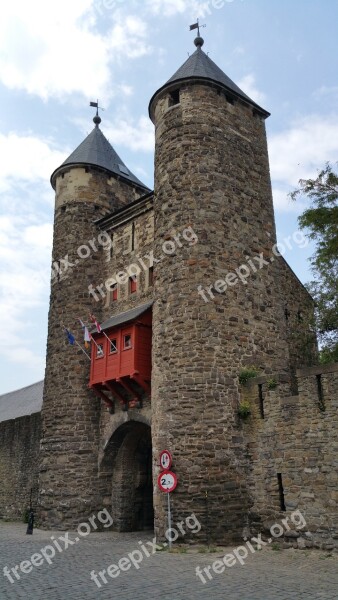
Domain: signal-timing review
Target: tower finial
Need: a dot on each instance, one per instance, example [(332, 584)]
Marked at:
[(97, 118), (199, 41)]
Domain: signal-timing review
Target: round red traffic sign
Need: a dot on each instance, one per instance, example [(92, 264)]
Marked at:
[(167, 481), (165, 460)]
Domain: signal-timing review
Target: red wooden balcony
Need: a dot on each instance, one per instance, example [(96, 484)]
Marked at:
[(121, 357)]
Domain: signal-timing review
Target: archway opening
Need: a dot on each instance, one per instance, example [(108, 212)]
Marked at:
[(129, 454)]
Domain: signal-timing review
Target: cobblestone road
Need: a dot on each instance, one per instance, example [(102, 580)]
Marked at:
[(266, 575)]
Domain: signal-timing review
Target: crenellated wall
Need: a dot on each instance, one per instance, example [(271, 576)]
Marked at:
[(298, 439)]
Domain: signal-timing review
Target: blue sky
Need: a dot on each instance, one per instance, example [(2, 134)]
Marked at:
[(57, 57)]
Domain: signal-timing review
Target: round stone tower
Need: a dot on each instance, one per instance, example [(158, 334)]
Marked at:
[(217, 306), (88, 185)]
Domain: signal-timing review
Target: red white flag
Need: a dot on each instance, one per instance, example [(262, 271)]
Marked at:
[(96, 323)]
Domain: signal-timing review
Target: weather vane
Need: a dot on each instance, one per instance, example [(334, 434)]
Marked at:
[(197, 26), (97, 118)]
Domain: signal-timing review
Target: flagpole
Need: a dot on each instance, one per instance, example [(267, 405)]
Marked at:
[(84, 352), (76, 342), (101, 331)]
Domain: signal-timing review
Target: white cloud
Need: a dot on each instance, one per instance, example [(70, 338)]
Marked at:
[(133, 135), (302, 149), (167, 8), (25, 252), (54, 49), (26, 158), (299, 152), (248, 85)]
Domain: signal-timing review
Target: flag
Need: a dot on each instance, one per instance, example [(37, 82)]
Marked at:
[(94, 104), (194, 26), (96, 323), (70, 337), (87, 336)]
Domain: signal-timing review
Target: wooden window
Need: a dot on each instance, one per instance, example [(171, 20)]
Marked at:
[(113, 346), (133, 284), (113, 293), (150, 276), (99, 351), (127, 342)]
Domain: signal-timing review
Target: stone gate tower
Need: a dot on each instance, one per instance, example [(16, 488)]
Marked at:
[(211, 173), (178, 326), (91, 183)]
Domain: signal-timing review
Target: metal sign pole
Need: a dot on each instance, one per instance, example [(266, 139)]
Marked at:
[(169, 521)]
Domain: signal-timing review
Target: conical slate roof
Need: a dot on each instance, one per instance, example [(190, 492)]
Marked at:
[(96, 151), (200, 66)]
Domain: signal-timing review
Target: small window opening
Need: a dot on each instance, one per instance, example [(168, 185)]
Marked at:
[(174, 98), (133, 236), (133, 284), (63, 209), (281, 492), (113, 346), (151, 276), (113, 293), (286, 313), (261, 400), (99, 351), (127, 342), (320, 391), (86, 170)]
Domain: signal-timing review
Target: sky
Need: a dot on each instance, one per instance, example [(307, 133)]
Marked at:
[(57, 57)]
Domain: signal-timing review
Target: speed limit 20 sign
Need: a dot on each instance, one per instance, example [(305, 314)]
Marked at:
[(167, 481)]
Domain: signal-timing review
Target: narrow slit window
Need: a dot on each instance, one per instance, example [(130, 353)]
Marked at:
[(111, 249), (127, 342), (261, 400), (281, 492), (320, 393), (151, 276), (133, 237), (113, 346)]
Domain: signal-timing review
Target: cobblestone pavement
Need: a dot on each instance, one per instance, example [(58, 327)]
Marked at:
[(266, 574)]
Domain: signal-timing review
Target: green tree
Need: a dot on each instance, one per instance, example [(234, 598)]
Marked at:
[(321, 222)]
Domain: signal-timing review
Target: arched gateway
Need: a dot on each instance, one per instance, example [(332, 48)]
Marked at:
[(126, 470)]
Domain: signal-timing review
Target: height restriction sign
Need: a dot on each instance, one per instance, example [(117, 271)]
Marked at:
[(167, 481), (165, 460)]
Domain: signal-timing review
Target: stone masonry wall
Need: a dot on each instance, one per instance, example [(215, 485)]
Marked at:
[(212, 173), (126, 252), (19, 454), (71, 412), (297, 438), (298, 318)]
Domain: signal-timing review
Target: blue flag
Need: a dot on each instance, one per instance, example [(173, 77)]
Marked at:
[(70, 337)]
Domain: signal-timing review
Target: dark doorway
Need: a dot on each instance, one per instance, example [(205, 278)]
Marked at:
[(130, 452)]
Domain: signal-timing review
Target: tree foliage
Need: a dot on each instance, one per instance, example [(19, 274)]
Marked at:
[(321, 222)]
